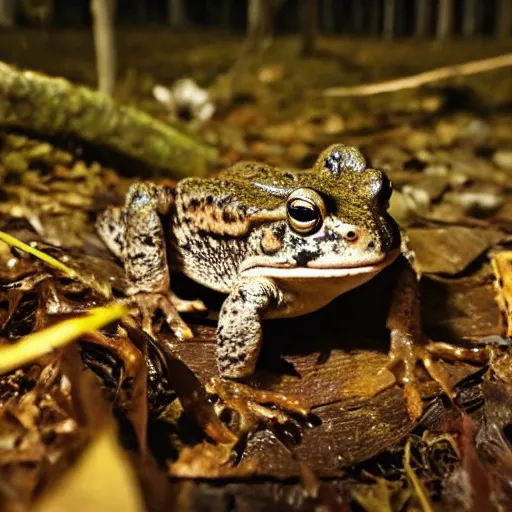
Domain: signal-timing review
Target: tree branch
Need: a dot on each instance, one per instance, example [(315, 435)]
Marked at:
[(54, 106), (410, 82)]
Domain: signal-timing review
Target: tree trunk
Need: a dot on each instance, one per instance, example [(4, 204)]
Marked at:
[(469, 18), (503, 18), (309, 29), (103, 12), (389, 19), (177, 16), (255, 14), (444, 19), (6, 13), (421, 18), (328, 16)]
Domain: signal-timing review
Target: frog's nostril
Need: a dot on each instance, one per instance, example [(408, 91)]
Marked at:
[(371, 244), (351, 236)]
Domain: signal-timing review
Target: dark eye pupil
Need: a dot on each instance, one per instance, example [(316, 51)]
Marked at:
[(302, 213)]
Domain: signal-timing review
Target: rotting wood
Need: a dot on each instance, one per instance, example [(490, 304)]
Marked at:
[(54, 106)]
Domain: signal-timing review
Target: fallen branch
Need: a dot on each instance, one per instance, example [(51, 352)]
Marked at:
[(54, 106), (410, 82)]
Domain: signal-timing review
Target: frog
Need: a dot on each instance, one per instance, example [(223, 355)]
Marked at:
[(279, 243)]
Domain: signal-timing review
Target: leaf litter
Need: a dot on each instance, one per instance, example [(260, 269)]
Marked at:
[(150, 421)]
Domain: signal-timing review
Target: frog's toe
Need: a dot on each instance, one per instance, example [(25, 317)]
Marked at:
[(255, 406), (405, 352), (149, 303), (187, 306)]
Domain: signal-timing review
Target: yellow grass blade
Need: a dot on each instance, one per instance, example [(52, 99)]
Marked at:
[(416, 484), (42, 342), (101, 288), (10, 240)]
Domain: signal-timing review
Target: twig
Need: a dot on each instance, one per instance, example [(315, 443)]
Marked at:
[(434, 75)]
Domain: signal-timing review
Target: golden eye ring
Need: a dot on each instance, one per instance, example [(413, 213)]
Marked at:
[(305, 211)]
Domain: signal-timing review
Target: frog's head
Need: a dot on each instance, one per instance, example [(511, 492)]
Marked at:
[(334, 220)]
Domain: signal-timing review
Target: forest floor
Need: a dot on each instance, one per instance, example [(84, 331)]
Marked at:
[(447, 148)]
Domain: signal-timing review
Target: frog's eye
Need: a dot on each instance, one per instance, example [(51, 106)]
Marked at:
[(305, 211)]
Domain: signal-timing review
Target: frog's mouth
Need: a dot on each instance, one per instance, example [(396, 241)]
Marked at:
[(277, 269)]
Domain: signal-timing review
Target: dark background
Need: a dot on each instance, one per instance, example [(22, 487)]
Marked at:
[(210, 14)]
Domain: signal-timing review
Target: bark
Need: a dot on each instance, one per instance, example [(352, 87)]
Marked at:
[(421, 18), (6, 13), (444, 19), (469, 18), (389, 19), (103, 12), (255, 15), (309, 29), (53, 106), (503, 18), (261, 16)]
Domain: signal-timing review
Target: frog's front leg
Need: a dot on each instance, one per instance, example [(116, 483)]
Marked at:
[(239, 329), (407, 341), (136, 235)]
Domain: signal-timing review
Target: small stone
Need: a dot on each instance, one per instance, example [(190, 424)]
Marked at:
[(388, 157), (39, 151), (62, 157), (433, 186), (446, 132), (476, 130), (503, 158), (297, 152), (15, 163), (476, 203), (284, 132), (432, 103), (436, 170), (333, 124), (402, 208), (271, 74), (419, 197), (417, 140), (16, 141)]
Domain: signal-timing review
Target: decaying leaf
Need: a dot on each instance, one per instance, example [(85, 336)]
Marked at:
[(102, 479), (502, 267), (449, 250)]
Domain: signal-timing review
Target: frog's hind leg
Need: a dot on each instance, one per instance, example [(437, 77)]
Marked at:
[(144, 254), (407, 341)]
